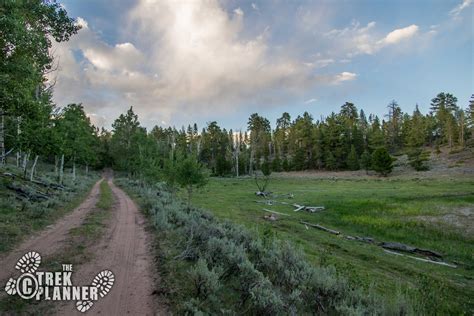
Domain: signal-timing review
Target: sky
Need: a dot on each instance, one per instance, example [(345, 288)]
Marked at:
[(183, 61)]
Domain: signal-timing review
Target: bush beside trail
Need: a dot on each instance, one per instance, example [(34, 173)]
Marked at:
[(211, 266)]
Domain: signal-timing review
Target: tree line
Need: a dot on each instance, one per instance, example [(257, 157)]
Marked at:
[(347, 140), (33, 127)]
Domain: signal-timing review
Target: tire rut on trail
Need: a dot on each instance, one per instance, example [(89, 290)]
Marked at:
[(125, 250), (50, 240)]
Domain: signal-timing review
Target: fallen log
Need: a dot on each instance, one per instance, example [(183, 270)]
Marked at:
[(288, 195), (335, 232), (410, 249), (311, 209), (298, 207), (38, 196), (10, 175), (422, 259), (362, 239), (263, 193)]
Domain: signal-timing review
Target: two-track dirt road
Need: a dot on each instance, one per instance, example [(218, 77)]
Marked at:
[(124, 249)]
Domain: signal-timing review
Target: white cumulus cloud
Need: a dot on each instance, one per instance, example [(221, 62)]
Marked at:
[(180, 58), (357, 39), (399, 35)]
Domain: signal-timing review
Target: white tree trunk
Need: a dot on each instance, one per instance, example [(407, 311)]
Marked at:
[(26, 157), (2, 140), (87, 169), (74, 171), (56, 161), (18, 132), (33, 168), (237, 164), (61, 170)]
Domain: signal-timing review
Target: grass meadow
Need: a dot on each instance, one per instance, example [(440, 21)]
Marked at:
[(435, 214)]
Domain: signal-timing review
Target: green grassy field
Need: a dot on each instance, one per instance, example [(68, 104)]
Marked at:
[(384, 209)]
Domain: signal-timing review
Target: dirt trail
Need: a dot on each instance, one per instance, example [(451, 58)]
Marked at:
[(50, 240), (124, 250)]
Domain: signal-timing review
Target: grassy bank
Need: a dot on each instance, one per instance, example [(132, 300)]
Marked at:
[(407, 211), (211, 266)]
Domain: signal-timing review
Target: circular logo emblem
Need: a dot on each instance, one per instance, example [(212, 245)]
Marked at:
[(27, 286)]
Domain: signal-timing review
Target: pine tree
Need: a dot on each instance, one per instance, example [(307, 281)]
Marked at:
[(382, 162), (444, 107), (393, 126), (366, 161), (470, 116), (352, 161), (417, 158)]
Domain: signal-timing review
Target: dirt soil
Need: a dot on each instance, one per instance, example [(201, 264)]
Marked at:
[(125, 250), (50, 240)]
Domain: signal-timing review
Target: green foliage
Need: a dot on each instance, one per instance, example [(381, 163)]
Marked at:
[(28, 27), (382, 162), (106, 197), (214, 266), (352, 160), (387, 209), (266, 168), (205, 282), (331, 162), (365, 160), (277, 165), (190, 174), (417, 158), (77, 137)]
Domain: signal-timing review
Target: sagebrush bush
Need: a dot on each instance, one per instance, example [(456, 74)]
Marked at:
[(234, 271), (205, 281)]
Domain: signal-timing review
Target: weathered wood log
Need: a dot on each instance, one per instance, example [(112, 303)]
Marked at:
[(422, 259), (298, 207), (32, 196), (9, 175), (410, 249), (335, 232), (263, 193), (363, 239), (288, 195), (6, 154), (311, 209)]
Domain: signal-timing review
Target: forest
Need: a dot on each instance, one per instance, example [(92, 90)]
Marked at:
[(342, 141)]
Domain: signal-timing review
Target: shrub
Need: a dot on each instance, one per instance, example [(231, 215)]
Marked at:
[(228, 269), (382, 162), (417, 158), (205, 281)]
